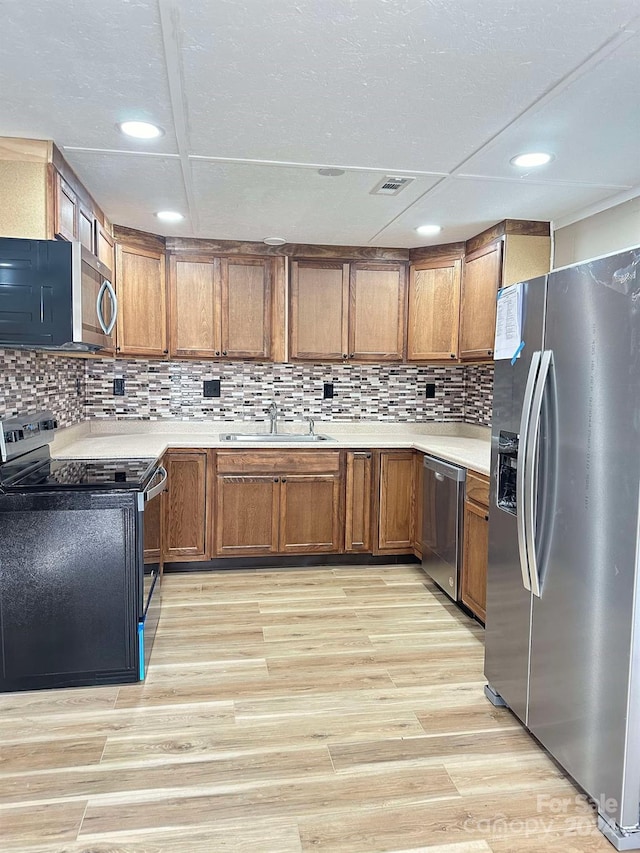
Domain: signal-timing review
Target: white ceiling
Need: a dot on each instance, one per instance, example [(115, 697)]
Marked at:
[(256, 95)]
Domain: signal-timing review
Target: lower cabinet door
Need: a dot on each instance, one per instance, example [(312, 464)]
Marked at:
[(395, 502), (185, 528), (358, 502), (310, 513), (474, 562), (247, 515)]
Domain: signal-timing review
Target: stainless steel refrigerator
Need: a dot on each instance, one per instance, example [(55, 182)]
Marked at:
[(563, 590)]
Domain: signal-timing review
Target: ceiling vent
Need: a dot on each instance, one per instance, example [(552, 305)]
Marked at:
[(391, 185)]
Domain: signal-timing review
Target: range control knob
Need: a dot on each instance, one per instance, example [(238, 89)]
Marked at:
[(49, 423), (13, 435)]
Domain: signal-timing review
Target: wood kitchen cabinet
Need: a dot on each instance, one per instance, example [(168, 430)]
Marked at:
[(482, 276), (395, 474), (418, 501), (141, 328), (247, 514), (220, 307), (319, 310), (310, 513), (105, 245), (269, 502), (434, 310), (377, 297), (475, 545), (514, 250), (66, 209), (347, 311), (187, 506), (359, 473), (246, 308)]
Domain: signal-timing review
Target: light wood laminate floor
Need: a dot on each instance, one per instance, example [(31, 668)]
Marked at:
[(336, 709)]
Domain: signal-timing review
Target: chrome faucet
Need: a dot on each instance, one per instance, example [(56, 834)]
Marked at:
[(273, 418), (312, 424)]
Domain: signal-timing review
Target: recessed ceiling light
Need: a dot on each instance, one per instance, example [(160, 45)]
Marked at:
[(428, 230), (534, 158), (169, 215), (331, 173), (140, 129), (274, 241)]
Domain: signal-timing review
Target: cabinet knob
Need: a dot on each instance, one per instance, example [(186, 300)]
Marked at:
[(224, 352), (284, 479), (345, 355), (452, 355), (489, 352), (486, 518), (165, 351), (276, 479), (368, 456), (217, 352), (351, 355), (117, 349)]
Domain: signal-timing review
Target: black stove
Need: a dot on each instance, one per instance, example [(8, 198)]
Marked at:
[(26, 463)]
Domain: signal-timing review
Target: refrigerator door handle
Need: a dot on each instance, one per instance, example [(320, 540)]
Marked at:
[(521, 478), (531, 455)]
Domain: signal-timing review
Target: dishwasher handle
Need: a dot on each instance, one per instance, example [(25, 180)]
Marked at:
[(444, 469)]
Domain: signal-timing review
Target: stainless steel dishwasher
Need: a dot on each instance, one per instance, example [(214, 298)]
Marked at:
[(442, 523)]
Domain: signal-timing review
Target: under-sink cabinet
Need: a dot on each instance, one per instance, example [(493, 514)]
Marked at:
[(278, 503)]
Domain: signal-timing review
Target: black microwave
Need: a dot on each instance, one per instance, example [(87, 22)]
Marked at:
[(54, 295)]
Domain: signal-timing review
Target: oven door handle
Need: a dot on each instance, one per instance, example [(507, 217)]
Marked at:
[(152, 492)]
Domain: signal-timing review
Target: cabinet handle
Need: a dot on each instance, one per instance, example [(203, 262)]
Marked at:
[(352, 355), (284, 479), (489, 352), (224, 352), (117, 349), (345, 355), (452, 355), (217, 352), (276, 479), (165, 351), (368, 456)]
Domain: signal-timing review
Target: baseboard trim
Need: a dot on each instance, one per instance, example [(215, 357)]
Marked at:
[(289, 563)]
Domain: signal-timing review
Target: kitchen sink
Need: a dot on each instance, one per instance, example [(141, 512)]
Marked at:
[(269, 437)]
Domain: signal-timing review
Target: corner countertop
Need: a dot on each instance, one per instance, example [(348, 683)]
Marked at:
[(463, 444)]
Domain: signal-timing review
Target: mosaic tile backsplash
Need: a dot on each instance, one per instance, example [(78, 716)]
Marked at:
[(75, 389), (36, 380), (155, 390)]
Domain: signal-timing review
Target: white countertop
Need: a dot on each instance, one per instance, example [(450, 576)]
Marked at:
[(462, 444)]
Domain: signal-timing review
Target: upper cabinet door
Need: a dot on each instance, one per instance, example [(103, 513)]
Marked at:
[(480, 283), (66, 207), (434, 310), (141, 290), (319, 310), (194, 292), (246, 307), (86, 228), (105, 246), (377, 312)]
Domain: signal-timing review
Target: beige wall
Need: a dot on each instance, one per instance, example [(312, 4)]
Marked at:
[(605, 232)]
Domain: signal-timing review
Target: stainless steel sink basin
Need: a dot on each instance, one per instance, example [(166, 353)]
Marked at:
[(269, 437)]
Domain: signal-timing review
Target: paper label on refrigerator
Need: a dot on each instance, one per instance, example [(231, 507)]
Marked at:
[(508, 343)]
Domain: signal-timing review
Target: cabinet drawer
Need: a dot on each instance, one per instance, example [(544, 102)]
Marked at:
[(277, 461), (478, 488)]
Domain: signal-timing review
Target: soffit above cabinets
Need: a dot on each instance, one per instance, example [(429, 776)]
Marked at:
[(254, 97)]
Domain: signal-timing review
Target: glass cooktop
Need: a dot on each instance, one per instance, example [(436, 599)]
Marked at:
[(83, 473)]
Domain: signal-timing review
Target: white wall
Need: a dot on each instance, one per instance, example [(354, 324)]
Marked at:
[(605, 232)]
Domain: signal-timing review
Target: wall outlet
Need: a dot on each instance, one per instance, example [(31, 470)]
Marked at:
[(327, 393), (430, 391), (118, 387), (211, 388)]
